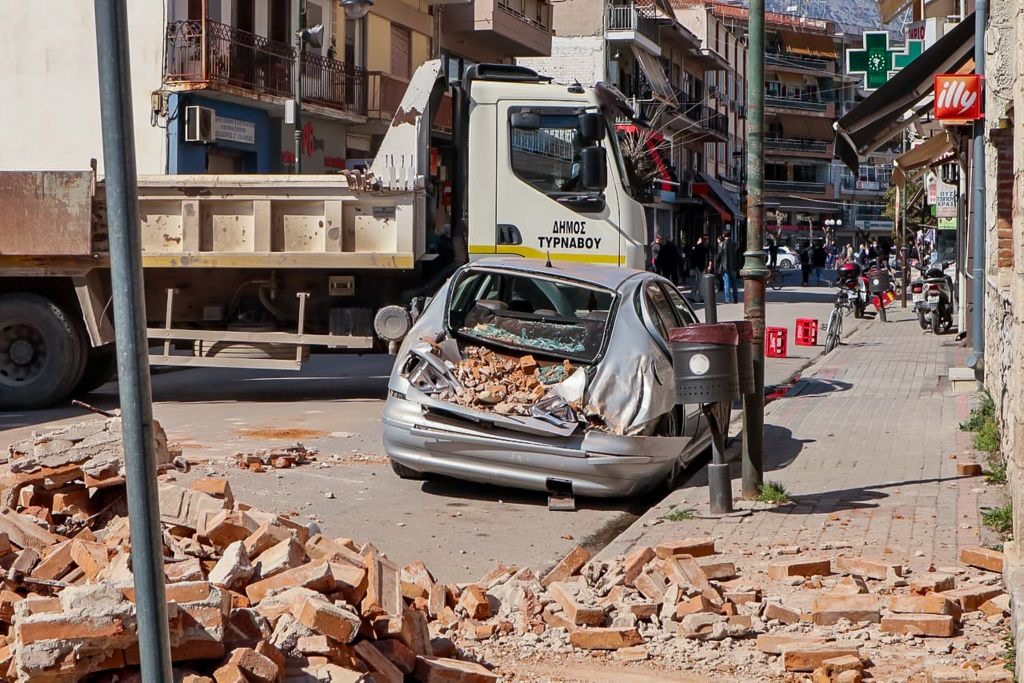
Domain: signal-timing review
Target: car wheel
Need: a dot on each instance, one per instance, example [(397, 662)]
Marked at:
[(785, 263), (404, 472)]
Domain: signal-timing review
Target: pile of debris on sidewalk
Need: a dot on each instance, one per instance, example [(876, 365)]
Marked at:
[(257, 596), (276, 458), (506, 384)]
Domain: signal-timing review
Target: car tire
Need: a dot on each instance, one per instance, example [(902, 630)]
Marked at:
[(404, 472), (785, 263), (48, 339)]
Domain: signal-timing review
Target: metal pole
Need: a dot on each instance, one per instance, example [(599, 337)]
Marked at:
[(903, 240), (297, 19), (754, 272), (130, 334), (978, 209), (708, 288)]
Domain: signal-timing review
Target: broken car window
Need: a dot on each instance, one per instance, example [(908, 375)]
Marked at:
[(531, 314)]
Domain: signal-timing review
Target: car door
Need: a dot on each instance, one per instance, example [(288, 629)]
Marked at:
[(662, 313)]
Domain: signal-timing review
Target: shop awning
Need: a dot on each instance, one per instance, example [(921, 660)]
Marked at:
[(805, 127), (808, 45), (723, 201), (651, 67), (880, 117), (934, 150)]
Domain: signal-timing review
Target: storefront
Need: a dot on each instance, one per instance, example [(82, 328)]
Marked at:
[(324, 146), (243, 138)]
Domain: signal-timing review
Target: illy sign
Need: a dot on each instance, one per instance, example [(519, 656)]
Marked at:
[(957, 98)]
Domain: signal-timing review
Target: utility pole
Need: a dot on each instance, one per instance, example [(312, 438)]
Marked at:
[(121, 180), (976, 359), (754, 272), (298, 19)]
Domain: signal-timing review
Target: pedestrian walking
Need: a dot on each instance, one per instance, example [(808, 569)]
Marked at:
[(818, 259), (652, 262), (773, 253), (668, 261), (725, 264), (698, 264), (805, 263)]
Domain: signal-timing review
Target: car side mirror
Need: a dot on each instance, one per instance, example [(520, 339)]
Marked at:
[(526, 120), (591, 127), (595, 168)]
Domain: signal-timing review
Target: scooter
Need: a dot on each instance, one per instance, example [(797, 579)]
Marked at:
[(851, 278), (933, 298)]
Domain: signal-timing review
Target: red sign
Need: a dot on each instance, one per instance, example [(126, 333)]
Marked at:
[(958, 98)]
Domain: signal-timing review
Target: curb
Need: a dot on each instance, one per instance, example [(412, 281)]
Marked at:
[(621, 544)]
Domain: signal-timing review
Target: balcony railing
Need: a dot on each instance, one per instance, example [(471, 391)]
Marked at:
[(795, 103), (631, 18), (775, 59), (794, 186), (533, 12), (812, 146), (383, 94), (706, 116), (217, 54)]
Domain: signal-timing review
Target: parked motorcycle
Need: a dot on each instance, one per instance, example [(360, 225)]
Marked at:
[(850, 277), (933, 298)]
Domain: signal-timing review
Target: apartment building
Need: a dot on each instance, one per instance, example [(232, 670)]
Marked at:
[(212, 79)]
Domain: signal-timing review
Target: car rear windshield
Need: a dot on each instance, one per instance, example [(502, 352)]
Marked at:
[(547, 316)]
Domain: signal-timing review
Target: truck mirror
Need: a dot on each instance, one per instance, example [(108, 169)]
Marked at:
[(595, 168), (526, 120), (591, 127)]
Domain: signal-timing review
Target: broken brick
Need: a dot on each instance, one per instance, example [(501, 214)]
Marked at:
[(869, 569), (313, 575), (381, 666), (781, 613), (694, 547), (969, 469), (937, 625), (829, 609), (983, 558), (257, 667), (605, 638), (810, 657), (443, 670), (567, 566), (327, 619), (933, 603), (971, 597), (784, 569), (474, 602), (934, 582)]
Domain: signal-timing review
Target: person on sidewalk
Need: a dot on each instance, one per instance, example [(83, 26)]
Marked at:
[(698, 264), (668, 260), (818, 258), (805, 263), (773, 253), (725, 264)]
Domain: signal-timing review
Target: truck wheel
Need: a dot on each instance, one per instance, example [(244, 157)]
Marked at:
[(41, 352), (404, 472), (100, 368)]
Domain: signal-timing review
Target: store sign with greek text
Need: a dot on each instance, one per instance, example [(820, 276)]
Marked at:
[(945, 199), (235, 130), (957, 97)]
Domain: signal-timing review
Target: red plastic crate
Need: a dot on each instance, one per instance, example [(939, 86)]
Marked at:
[(806, 332), (775, 342)]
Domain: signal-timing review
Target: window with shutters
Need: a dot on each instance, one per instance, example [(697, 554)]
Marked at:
[(401, 52)]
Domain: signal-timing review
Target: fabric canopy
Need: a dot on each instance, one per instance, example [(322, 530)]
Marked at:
[(808, 44), (805, 127), (709, 188), (934, 150), (651, 67), (888, 9), (880, 117)]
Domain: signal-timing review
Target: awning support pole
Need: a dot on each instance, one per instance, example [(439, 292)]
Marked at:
[(754, 272), (121, 180), (976, 359)]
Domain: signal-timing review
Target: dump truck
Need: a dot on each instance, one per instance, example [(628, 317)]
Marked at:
[(258, 271)]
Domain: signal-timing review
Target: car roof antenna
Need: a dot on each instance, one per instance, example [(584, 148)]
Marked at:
[(548, 264)]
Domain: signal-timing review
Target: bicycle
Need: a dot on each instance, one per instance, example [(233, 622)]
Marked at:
[(834, 328), (774, 278)]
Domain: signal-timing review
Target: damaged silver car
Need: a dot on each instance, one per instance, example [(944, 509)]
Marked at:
[(549, 378)]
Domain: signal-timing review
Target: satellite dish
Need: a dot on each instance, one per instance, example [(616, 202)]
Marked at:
[(314, 36)]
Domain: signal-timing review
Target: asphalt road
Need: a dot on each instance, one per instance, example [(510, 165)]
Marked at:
[(459, 529)]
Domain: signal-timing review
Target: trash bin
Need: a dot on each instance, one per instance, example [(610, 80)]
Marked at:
[(745, 355), (879, 282), (705, 362)]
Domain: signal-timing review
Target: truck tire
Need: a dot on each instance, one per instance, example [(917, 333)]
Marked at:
[(42, 354), (100, 368)]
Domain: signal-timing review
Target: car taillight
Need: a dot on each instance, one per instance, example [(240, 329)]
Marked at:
[(917, 289)]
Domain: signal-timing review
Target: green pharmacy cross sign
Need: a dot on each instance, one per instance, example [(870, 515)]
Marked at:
[(877, 62)]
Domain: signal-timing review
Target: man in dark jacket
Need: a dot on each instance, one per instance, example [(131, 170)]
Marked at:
[(819, 257), (726, 267), (699, 264), (668, 260), (805, 262)]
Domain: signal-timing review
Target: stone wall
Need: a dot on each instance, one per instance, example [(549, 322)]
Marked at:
[(573, 58)]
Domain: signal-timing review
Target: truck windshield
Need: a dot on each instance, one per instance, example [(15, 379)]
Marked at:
[(545, 316)]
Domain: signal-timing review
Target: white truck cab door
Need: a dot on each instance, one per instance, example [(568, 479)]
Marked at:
[(540, 205)]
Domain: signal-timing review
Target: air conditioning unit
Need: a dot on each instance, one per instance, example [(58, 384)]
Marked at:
[(199, 124)]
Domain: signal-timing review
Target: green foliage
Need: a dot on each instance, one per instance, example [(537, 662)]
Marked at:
[(986, 410), (999, 520), (986, 439), (773, 492), (996, 472), (679, 515), (1009, 651)]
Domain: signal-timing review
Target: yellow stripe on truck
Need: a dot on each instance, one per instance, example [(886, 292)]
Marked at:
[(530, 252)]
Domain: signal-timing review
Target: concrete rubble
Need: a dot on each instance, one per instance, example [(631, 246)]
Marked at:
[(255, 596)]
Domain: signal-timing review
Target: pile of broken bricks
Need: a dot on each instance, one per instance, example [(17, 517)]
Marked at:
[(255, 596), (507, 385), (276, 458)]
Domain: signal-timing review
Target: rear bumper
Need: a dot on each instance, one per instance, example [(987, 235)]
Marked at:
[(596, 465)]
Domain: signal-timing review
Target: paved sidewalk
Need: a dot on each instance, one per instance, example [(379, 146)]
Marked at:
[(864, 444)]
